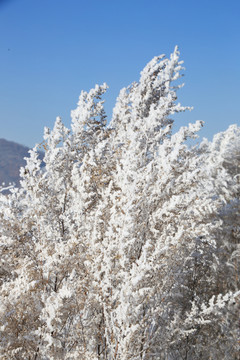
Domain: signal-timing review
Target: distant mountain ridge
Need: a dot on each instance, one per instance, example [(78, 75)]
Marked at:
[(11, 159)]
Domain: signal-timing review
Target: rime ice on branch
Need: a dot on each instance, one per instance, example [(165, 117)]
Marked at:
[(125, 244)]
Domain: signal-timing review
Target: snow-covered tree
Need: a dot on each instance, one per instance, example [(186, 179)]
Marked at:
[(125, 245)]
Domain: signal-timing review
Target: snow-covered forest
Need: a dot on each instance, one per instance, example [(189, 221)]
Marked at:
[(124, 246)]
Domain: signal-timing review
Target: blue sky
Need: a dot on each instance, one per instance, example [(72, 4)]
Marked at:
[(52, 49)]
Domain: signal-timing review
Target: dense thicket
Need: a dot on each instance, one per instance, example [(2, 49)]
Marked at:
[(125, 245)]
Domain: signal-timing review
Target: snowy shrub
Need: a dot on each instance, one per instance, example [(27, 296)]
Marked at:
[(125, 244)]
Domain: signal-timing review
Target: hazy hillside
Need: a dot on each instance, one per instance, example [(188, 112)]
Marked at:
[(11, 159)]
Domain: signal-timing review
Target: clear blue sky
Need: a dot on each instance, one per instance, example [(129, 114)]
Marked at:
[(52, 49)]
